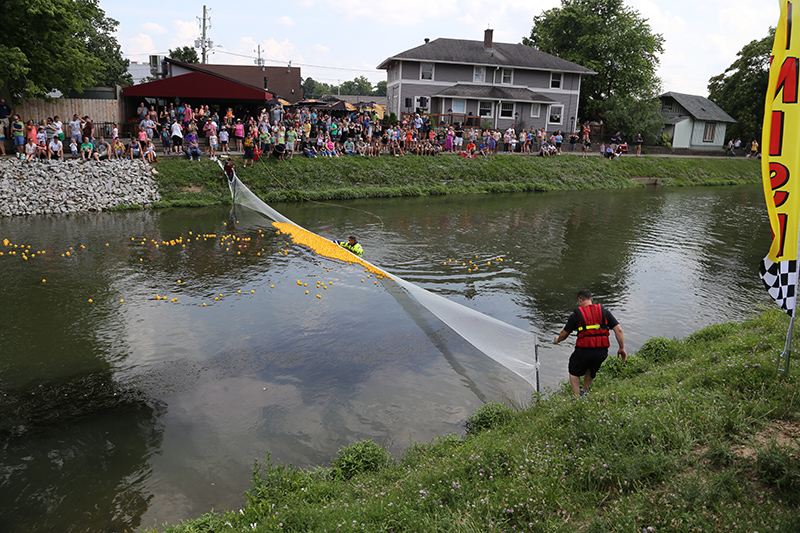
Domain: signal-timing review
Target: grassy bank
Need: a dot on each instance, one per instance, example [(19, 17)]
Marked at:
[(185, 183), (693, 435)]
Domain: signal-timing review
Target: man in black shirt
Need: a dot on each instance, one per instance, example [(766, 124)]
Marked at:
[(593, 323)]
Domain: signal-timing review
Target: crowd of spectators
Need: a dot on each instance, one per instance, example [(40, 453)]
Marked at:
[(52, 139), (284, 133), (201, 131)]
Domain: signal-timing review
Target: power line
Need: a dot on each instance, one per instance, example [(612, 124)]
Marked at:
[(296, 64)]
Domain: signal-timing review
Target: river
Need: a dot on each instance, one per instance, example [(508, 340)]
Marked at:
[(200, 350)]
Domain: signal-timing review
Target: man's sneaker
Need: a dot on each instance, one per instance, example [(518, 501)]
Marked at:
[(584, 393), (191, 158)]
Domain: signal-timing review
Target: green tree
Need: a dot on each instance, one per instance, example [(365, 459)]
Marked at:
[(741, 89), (186, 54), (607, 37), (101, 43), (380, 89), (314, 89), (631, 116), (360, 85), (48, 45)]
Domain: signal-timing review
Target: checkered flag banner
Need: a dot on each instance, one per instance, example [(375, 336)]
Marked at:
[(780, 161), (780, 280)]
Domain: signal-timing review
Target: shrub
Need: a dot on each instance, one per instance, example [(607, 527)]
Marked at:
[(661, 350), (492, 415), (360, 457)]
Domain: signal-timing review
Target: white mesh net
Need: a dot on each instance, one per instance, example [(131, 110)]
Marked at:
[(508, 345)]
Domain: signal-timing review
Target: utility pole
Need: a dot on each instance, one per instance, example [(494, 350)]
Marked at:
[(203, 43), (259, 61)]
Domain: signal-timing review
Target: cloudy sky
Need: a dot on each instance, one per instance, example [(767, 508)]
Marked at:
[(334, 41)]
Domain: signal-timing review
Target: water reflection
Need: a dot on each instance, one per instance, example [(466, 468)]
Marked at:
[(119, 414)]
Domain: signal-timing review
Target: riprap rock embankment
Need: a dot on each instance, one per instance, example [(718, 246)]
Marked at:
[(54, 187)]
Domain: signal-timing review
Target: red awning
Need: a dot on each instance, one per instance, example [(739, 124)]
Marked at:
[(196, 85)]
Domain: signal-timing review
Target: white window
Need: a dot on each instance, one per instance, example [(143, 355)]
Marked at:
[(536, 110), (479, 75), (426, 71), (507, 110), (508, 76), (556, 112), (485, 109), (459, 106), (710, 132), (555, 80)]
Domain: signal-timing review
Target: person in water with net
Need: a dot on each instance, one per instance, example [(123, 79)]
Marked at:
[(230, 170), (352, 244), (593, 323)]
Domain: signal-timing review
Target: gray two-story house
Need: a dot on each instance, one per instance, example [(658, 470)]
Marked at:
[(487, 83)]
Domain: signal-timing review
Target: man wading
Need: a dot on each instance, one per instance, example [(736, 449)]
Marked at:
[(593, 323)]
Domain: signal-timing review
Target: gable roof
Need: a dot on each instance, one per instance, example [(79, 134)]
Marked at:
[(494, 92), (700, 107), (283, 81), (475, 53), (197, 85)]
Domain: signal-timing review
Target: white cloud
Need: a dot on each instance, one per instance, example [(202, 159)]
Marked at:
[(152, 27), (140, 45), (185, 33), (285, 21)]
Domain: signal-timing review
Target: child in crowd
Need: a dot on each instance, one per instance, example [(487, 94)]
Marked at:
[(2, 141), (86, 150), (150, 152), (165, 140), (135, 149), (212, 146), (470, 149), (142, 136), (73, 148), (223, 140), (118, 148)]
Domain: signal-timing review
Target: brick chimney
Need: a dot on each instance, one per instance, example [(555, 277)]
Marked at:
[(487, 39)]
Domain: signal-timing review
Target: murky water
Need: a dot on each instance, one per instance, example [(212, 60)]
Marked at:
[(132, 410)]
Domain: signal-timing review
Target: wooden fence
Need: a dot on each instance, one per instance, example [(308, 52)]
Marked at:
[(98, 110)]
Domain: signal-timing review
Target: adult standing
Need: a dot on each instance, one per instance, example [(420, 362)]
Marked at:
[(87, 129), (142, 111), (593, 323), (458, 140), (177, 136), (149, 126), (75, 129), (616, 140), (18, 132), (5, 115), (639, 141)]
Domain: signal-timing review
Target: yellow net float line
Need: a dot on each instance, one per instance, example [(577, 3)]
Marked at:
[(324, 247)]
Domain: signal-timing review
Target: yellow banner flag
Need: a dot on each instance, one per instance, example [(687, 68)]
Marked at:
[(780, 162)]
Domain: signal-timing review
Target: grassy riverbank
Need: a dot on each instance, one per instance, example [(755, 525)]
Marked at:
[(694, 435), (187, 183)]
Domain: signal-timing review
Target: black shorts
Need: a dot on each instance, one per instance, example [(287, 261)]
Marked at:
[(585, 360), (249, 153)]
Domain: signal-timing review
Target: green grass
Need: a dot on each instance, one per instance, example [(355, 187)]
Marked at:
[(186, 183), (681, 437)]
